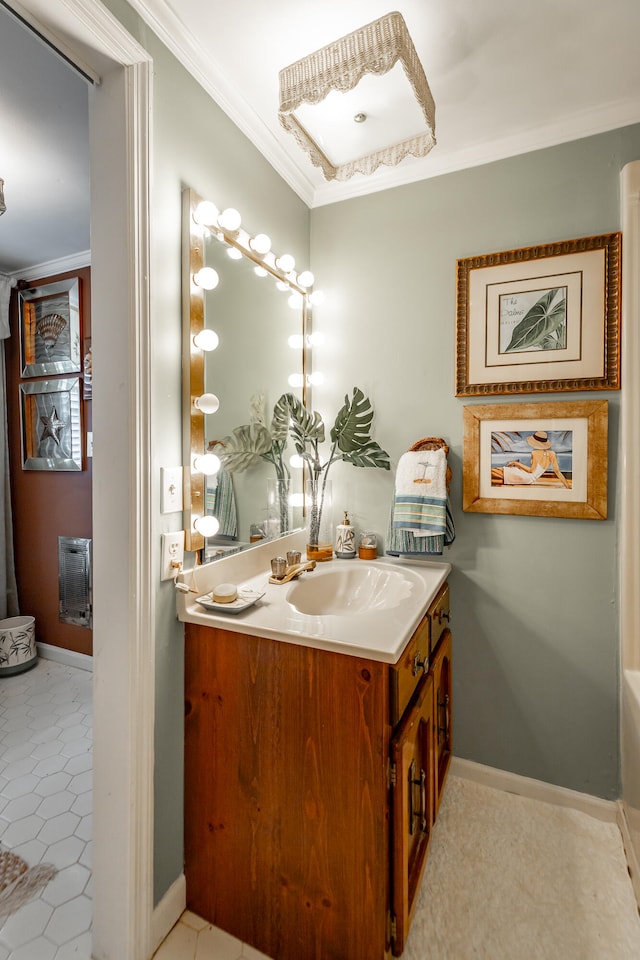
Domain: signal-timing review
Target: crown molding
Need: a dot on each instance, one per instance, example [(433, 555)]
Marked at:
[(51, 268), (172, 32)]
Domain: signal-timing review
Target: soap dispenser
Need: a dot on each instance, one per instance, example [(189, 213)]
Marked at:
[(345, 539)]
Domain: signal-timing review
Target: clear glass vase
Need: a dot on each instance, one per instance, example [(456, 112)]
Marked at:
[(278, 507), (318, 505)]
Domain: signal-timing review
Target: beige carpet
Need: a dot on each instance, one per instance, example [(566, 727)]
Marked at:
[(19, 882), (515, 879)]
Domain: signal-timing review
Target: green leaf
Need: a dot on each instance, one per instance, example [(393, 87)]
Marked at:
[(369, 455), (539, 322), (305, 426), (281, 417), (351, 428), (245, 446)]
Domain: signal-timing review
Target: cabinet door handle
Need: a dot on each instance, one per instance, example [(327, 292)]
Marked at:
[(443, 711), (419, 814), (441, 615)]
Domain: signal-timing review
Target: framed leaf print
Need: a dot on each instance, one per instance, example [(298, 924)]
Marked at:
[(540, 319)]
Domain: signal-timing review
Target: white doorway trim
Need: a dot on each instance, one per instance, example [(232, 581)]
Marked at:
[(124, 626)]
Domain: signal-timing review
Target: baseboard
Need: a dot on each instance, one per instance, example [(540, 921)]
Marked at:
[(633, 863), (168, 911), (69, 657), (606, 810)]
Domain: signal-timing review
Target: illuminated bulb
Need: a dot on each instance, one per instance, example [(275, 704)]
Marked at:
[(315, 339), (206, 213), (306, 278), (208, 464), (295, 300), (208, 403), (296, 380), (261, 244), (315, 379), (230, 220), (207, 278), (316, 298), (286, 263), (296, 461), (260, 272), (206, 340), (207, 526), (296, 341), (234, 253), (282, 285), (296, 499)]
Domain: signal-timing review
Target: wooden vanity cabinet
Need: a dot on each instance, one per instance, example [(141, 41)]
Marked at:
[(308, 808)]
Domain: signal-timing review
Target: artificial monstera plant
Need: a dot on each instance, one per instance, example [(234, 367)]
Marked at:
[(350, 441)]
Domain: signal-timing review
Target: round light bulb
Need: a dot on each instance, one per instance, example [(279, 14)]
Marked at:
[(286, 263), (206, 340), (260, 272), (234, 254), (296, 341), (297, 499), (230, 220), (295, 300), (306, 278), (207, 278), (296, 380), (296, 461), (207, 526), (260, 244), (206, 213), (315, 379), (282, 285), (316, 298), (208, 464), (315, 339), (207, 403)]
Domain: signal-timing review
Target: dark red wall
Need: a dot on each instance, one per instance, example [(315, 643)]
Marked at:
[(46, 503)]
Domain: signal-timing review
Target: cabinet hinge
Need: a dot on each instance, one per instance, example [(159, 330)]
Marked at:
[(391, 774), (392, 929)]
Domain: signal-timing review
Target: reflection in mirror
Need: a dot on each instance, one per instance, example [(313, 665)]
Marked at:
[(236, 293)]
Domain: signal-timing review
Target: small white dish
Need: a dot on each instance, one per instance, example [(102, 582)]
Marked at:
[(244, 600)]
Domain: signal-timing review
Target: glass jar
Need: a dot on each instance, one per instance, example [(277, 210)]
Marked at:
[(368, 546)]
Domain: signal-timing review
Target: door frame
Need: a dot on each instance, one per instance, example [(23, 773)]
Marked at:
[(124, 617)]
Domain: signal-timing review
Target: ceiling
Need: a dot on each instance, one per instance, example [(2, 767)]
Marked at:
[(506, 78)]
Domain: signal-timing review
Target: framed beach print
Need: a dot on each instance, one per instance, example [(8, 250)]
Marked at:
[(50, 329), (540, 319), (51, 424), (536, 459)]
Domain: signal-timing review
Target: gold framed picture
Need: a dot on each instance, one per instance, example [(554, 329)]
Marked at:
[(540, 319), (536, 459)]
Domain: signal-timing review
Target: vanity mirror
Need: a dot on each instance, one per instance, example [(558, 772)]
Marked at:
[(250, 305)]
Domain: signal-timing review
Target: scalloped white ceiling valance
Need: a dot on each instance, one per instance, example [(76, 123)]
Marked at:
[(394, 118)]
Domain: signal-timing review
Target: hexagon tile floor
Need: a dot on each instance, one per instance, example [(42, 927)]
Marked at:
[(45, 807)]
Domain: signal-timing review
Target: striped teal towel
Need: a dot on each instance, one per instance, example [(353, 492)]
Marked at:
[(404, 542), (221, 502), (421, 521)]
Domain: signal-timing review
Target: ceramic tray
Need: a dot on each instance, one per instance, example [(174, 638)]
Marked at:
[(245, 599)]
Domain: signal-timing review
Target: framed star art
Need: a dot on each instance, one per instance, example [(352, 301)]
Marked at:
[(51, 425)]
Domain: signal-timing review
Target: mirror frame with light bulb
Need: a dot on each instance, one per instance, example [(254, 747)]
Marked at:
[(196, 403)]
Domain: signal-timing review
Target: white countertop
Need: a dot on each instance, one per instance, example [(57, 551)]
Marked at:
[(379, 634)]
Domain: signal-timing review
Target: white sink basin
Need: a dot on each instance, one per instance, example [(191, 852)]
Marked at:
[(363, 588)]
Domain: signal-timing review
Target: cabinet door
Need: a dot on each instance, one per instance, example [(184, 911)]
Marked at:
[(442, 727), (413, 806)]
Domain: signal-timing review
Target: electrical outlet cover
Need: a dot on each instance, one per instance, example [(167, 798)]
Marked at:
[(172, 554)]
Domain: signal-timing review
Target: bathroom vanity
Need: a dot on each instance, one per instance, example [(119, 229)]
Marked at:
[(314, 770)]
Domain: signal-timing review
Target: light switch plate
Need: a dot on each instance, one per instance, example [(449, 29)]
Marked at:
[(170, 489)]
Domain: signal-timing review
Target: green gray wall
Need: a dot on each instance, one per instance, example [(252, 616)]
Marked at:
[(534, 600)]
